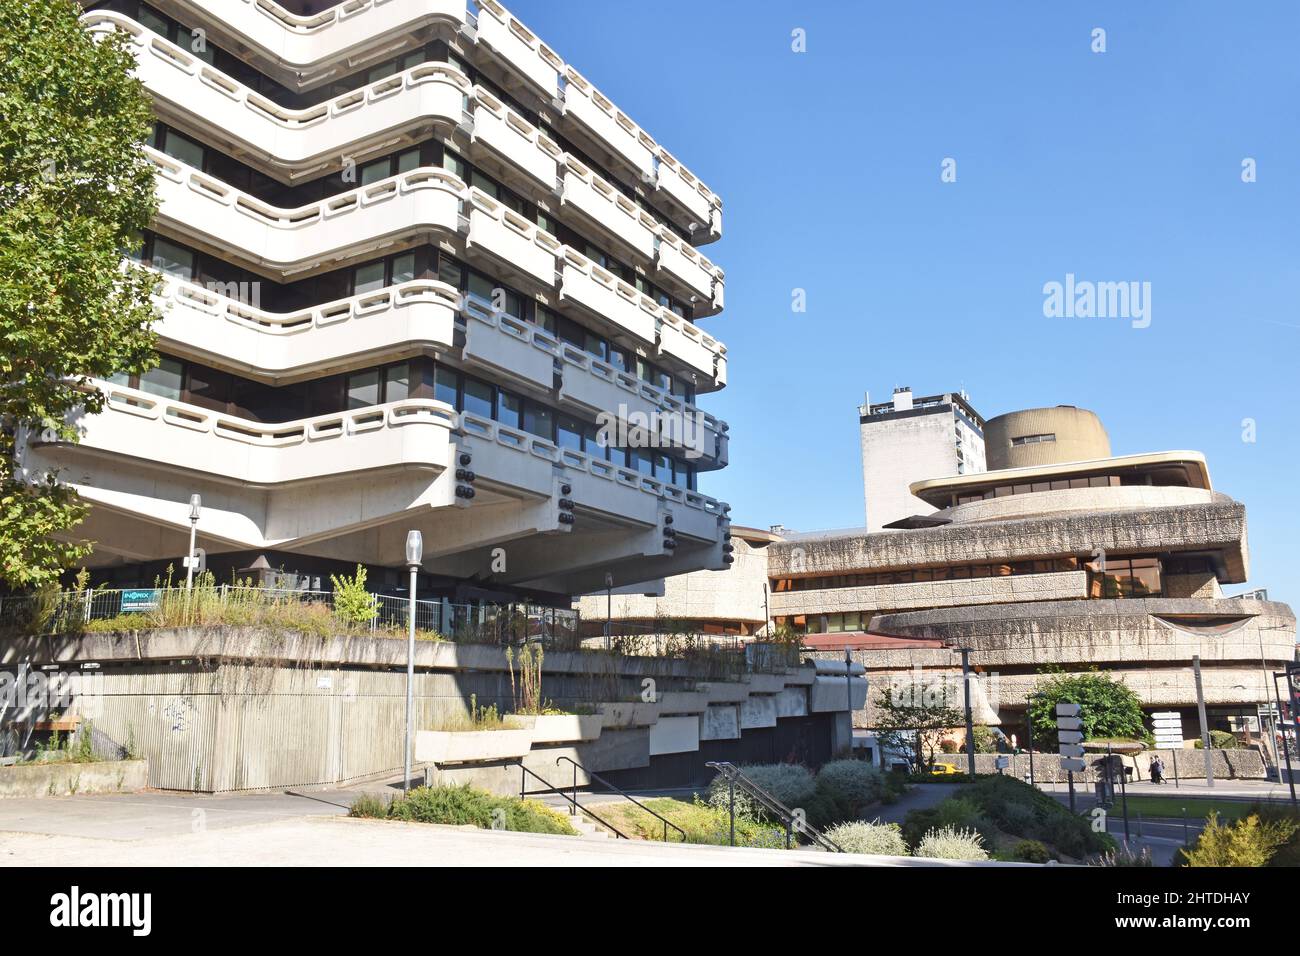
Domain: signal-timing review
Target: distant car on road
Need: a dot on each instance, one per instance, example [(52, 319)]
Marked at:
[(943, 768)]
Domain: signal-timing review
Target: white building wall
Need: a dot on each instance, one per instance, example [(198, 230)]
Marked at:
[(899, 451)]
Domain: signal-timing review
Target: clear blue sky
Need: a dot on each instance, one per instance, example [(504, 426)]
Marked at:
[(1124, 165)]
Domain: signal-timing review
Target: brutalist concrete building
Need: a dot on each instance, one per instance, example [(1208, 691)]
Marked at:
[(1063, 554)]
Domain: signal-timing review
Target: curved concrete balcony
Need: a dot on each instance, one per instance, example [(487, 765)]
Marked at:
[(588, 290), (291, 144), (599, 388), (511, 348), (607, 210), (526, 462), (1064, 500), (173, 435), (512, 139), (216, 327), (305, 50), (683, 269), (598, 118), (502, 36), (597, 292), (698, 349), (680, 187), (286, 241), (511, 241)]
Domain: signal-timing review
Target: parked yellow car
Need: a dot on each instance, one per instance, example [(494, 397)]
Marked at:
[(944, 768)]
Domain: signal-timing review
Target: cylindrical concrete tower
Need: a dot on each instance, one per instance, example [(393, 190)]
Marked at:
[(1044, 436)]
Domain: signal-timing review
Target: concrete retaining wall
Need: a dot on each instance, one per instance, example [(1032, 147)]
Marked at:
[(63, 779)]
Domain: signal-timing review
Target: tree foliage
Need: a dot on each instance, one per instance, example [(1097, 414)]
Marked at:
[(75, 191), (914, 718), (1110, 709)]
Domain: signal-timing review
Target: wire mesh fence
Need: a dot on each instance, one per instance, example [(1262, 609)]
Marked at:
[(327, 613), (70, 612)]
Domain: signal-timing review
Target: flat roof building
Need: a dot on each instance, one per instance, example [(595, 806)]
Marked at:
[(908, 438)]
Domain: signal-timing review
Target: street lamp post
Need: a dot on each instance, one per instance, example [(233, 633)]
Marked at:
[(609, 610), (196, 505), (970, 723), (414, 555)]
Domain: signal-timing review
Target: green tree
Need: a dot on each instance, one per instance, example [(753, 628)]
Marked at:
[(913, 719), (75, 191), (1110, 709)]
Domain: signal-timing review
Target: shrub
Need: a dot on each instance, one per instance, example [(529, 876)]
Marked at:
[(948, 747), (949, 843), (856, 781), (1018, 819), (370, 806), (790, 783), (352, 602), (985, 741), (1123, 856), (466, 805), (884, 839), (1219, 740), (1031, 851), (957, 813), (1248, 842)]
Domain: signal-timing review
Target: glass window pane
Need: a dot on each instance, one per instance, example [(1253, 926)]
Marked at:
[(480, 290), (539, 420), (151, 21), (368, 278), (408, 160), (403, 268), (164, 379), (444, 385), (173, 260), (183, 148), (568, 433), (373, 172), (510, 409), (449, 271), (478, 398), (397, 382), (363, 389)]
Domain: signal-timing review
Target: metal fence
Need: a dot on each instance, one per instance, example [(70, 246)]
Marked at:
[(69, 612), (73, 612)]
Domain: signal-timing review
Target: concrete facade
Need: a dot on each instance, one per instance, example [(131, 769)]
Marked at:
[(323, 491), (1044, 436), (909, 438)]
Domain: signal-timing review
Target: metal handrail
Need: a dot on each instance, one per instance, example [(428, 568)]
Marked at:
[(523, 793), (731, 773), (622, 793)]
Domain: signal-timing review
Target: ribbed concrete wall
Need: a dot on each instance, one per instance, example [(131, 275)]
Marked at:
[(1079, 436)]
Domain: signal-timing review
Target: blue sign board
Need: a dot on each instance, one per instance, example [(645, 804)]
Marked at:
[(142, 599)]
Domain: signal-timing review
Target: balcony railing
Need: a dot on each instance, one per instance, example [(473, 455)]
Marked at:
[(296, 143), (511, 137), (516, 243), (683, 265), (601, 119), (357, 221), (603, 294), (499, 32), (604, 207), (277, 346), (598, 484), (175, 434), (322, 45)]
